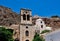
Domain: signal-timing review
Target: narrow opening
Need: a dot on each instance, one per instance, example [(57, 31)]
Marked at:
[(27, 33), (24, 17), (28, 17), (41, 26)]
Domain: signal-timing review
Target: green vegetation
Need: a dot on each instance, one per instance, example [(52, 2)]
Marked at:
[(44, 31), (6, 34), (56, 16), (37, 38)]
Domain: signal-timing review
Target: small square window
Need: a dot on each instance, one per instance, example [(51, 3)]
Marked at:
[(41, 26)]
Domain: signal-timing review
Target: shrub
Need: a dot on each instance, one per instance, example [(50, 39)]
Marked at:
[(37, 38), (5, 35), (44, 31)]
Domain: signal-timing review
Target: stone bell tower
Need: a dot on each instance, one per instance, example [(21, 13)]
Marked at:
[(26, 27), (26, 17)]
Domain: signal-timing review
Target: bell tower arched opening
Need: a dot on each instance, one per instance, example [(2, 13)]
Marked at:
[(28, 17), (24, 17), (27, 33)]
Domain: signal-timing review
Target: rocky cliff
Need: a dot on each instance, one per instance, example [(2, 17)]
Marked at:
[(8, 17), (52, 22)]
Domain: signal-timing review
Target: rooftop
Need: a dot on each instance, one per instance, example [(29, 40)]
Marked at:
[(25, 9)]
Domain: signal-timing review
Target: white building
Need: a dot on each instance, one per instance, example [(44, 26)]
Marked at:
[(40, 25), (53, 36), (48, 28)]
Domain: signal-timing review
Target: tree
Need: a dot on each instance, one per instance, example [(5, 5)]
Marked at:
[(56, 16), (5, 34), (37, 38), (45, 31)]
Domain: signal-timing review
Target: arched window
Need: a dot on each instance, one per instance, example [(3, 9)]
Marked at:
[(28, 17), (27, 40), (27, 33), (24, 17), (41, 26)]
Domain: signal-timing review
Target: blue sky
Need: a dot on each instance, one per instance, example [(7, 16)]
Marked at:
[(44, 8)]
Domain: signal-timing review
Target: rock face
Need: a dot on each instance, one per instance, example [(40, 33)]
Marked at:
[(52, 22), (8, 17)]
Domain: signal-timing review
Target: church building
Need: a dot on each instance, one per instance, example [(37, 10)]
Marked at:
[(27, 30)]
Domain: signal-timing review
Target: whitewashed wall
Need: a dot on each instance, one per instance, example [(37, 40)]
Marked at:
[(38, 25)]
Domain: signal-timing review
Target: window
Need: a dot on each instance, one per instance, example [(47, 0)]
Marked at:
[(41, 21), (27, 33), (26, 26), (28, 17), (27, 40), (41, 26), (24, 17)]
